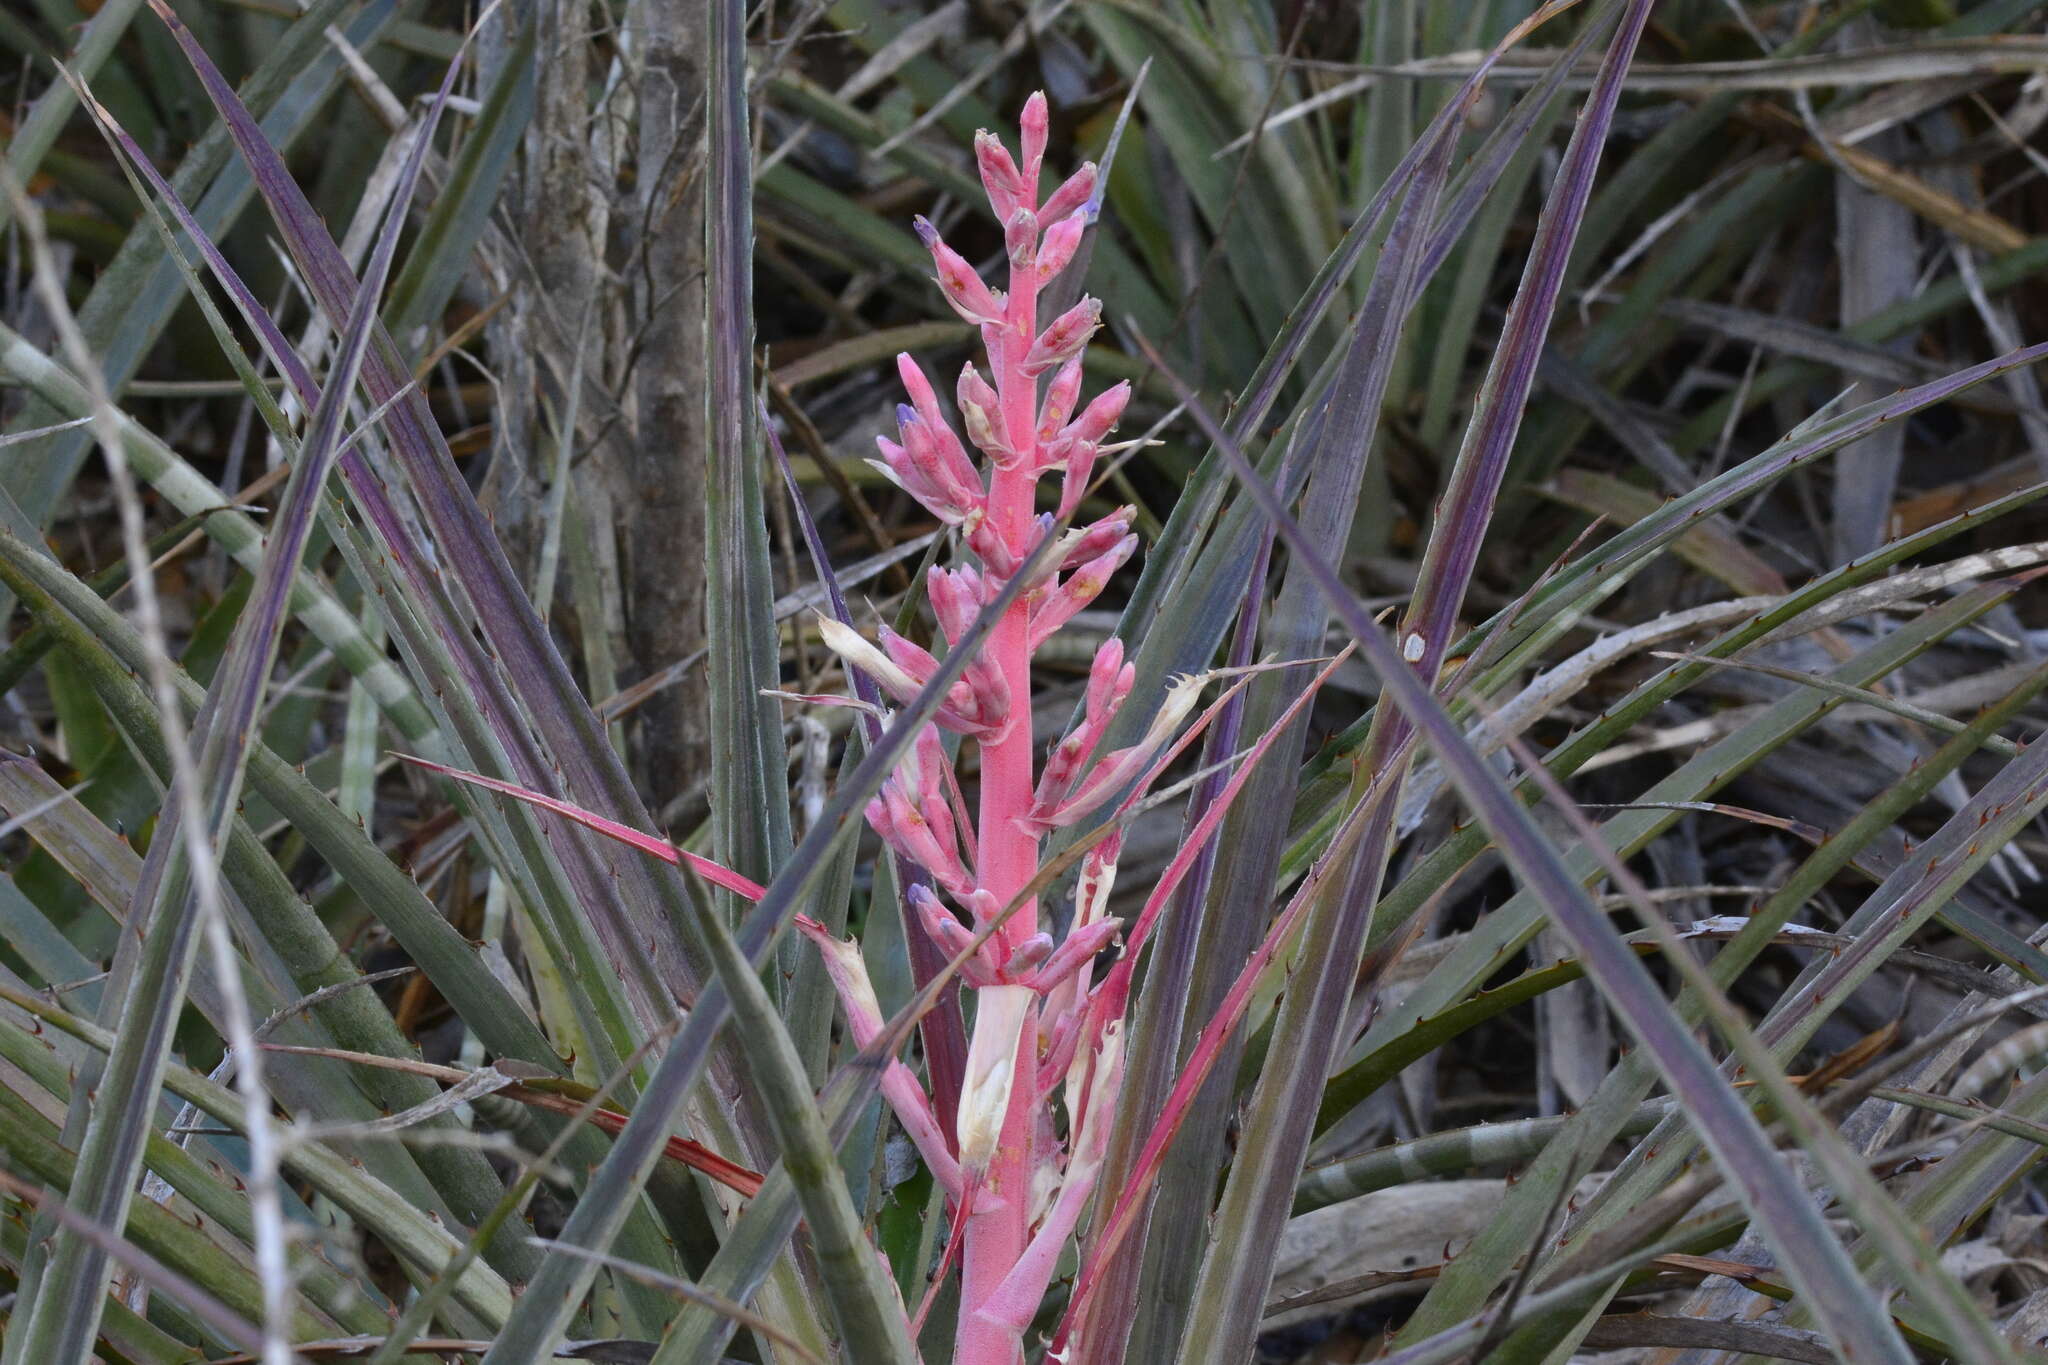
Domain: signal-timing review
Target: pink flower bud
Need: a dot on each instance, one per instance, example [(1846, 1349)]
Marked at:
[(942, 465), (957, 597), (987, 701), (1035, 124), (1109, 678), (1066, 336), (1020, 239), (1060, 396), (971, 298), (982, 905), (981, 408), (1073, 194), (1100, 417), (923, 396), (1074, 486), (918, 841), (999, 176), (896, 465), (1114, 770), (911, 658), (987, 541), (877, 812), (1077, 952), (953, 937), (1109, 682), (1082, 586), (1029, 955), (1062, 240), (1098, 538)]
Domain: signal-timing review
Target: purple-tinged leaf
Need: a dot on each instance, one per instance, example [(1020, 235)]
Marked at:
[(1778, 1205)]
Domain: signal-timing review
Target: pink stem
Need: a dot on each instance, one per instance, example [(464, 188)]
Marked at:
[(998, 1236)]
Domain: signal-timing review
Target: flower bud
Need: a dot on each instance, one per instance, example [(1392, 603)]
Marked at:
[(981, 408), (1109, 677), (1020, 239), (1101, 415), (1066, 336), (1060, 396), (1081, 587), (923, 396), (1074, 485), (988, 542), (1109, 682), (983, 905), (1062, 240), (1097, 538), (1029, 955), (917, 840), (942, 466), (1057, 809), (1073, 194), (953, 937), (971, 298), (999, 176), (896, 466), (1080, 948), (957, 598), (1035, 125)]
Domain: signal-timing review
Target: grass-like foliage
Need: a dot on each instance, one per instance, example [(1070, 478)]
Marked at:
[(1425, 758)]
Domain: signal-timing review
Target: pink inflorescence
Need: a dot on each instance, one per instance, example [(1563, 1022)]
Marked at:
[(1044, 1032)]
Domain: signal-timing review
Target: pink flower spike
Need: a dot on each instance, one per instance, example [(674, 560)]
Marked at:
[(1062, 240), (970, 296), (1066, 336), (981, 408), (1035, 124), (1081, 587), (1078, 951), (1060, 396), (1072, 195), (999, 176)]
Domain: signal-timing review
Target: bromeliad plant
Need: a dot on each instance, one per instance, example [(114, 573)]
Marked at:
[(1042, 1027)]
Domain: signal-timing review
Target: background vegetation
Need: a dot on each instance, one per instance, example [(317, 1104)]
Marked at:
[(387, 379)]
